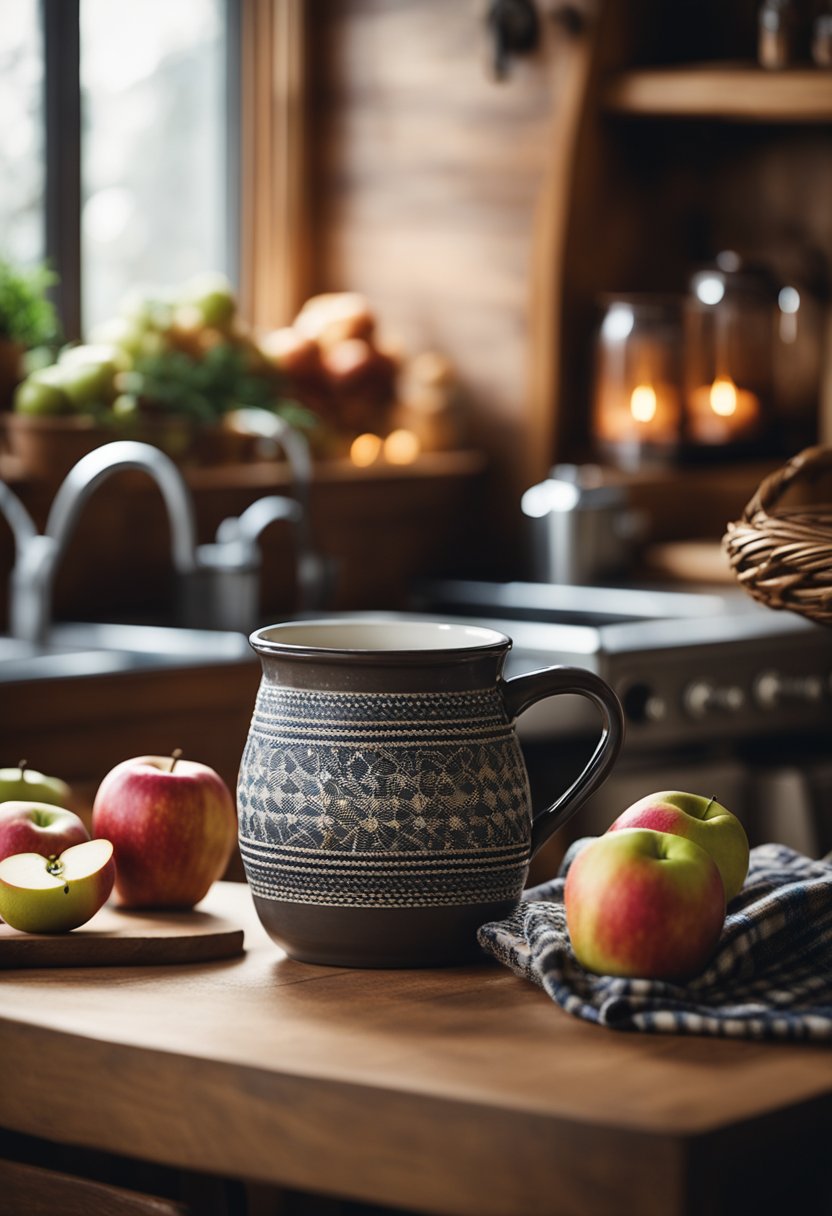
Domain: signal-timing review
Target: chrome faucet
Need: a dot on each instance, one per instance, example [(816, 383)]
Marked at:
[(18, 518), (236, 557), (38, 556), (219, 582), (26, 547)]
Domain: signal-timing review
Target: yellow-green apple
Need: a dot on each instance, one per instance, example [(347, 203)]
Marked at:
[(87, 378), (173, 826), (643, 903), (38, 827), (212, 296), (28, 784), (42, 394), (55, 894), (702, 820)]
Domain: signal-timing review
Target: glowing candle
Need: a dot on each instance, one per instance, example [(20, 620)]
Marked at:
[(365, 450), (401, 447), (643, 403), (720, 412), (648, 413)]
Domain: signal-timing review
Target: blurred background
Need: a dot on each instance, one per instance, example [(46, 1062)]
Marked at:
[(509, 292)]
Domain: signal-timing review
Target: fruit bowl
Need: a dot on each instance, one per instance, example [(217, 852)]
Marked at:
[(48, 447)]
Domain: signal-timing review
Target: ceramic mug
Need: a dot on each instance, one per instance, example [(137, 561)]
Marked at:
[(384, 806)]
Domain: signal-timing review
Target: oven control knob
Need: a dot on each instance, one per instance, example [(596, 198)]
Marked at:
[(702, 698), (772, 689), (643, 704)]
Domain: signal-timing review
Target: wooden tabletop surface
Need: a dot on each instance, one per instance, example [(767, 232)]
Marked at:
[(452, 1091)]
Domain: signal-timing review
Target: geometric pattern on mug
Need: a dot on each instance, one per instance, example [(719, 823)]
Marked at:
[(433, 796)]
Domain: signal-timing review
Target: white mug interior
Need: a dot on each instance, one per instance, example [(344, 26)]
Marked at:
[(381, 636)]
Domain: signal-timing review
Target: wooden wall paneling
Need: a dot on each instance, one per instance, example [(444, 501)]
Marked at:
[(427, 175)]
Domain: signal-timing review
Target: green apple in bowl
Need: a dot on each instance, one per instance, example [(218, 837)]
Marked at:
[(212, 298), (703, 820), (27, 784), (173, 826), (644, 904), (42, 394), (59, 893), (38, 827), (88, 381)]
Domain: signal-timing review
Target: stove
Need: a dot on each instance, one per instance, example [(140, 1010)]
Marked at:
[(687, 666)]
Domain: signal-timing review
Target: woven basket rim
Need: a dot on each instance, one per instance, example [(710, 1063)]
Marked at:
[(782, 556)]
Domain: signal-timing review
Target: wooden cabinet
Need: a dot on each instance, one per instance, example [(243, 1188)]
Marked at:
[(681, 146)]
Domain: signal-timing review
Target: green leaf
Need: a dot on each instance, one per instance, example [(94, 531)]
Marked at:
[(27, 316)]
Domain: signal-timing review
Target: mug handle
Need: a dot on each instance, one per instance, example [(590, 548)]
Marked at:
[(522, 691)]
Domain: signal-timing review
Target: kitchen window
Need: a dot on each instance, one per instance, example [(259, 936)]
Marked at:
[(118, 161)]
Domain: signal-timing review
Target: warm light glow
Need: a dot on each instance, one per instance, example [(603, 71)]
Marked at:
[(365, 449), (401, 447), (643, 403), (724, 397)]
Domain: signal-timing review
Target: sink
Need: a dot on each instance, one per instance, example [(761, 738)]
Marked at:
[(91, 649)]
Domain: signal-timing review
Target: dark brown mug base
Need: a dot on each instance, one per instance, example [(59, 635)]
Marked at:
[(441, 936)]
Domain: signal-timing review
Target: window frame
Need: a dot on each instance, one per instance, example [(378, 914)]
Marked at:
[(60, 30), (275, 230)]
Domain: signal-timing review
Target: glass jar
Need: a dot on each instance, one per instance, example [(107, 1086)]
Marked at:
[(729, 336), (822, 41), (779, 33), (637, 402)]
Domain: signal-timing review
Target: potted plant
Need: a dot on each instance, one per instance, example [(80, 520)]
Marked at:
[(27, 321)]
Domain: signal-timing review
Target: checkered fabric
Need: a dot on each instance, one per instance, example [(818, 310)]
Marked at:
[(770, 977)]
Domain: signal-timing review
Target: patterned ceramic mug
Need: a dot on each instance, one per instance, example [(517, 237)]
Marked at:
[(384, 804)]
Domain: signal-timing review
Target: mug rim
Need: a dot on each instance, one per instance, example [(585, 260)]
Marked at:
[(481, 639)]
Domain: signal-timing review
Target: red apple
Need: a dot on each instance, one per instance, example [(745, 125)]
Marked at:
[(646, 904), (702, 820), (173, 826), (38, 827)]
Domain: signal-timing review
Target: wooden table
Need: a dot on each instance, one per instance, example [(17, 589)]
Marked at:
[(455, 1091)]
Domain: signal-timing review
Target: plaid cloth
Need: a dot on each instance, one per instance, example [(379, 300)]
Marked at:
[(770, 976)]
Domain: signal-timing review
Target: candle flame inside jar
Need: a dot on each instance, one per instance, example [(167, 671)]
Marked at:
[(401, 446), (723, 397), (643, 403), (365, 449)]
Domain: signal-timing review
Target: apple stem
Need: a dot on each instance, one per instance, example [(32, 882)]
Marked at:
[(175, 755), (23, 765), (711, 801)]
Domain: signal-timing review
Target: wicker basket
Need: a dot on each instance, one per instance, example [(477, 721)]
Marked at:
[(783, 555)]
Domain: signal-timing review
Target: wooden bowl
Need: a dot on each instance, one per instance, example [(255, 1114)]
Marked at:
[(47, 447)]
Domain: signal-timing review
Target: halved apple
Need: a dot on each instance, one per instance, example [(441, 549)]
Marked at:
[(55, 894)]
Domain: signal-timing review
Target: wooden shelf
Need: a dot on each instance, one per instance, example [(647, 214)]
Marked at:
[(271, 474), (263, 474), (729, 92)]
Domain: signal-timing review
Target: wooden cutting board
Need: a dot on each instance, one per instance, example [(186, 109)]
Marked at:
[(117, 938)]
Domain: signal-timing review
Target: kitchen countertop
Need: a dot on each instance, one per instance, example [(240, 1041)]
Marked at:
[(452, 1091)]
